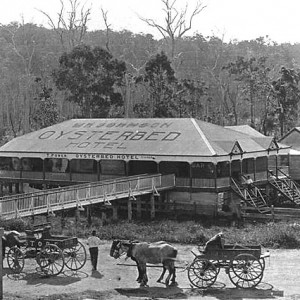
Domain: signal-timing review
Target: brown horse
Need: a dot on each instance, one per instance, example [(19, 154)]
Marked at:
[(143, 253), (10, 239)]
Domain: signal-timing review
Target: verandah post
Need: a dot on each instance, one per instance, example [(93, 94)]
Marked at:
[(139, 207), (129, 209), (152, 203)]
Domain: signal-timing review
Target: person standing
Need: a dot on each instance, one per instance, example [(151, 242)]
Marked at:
[(93, 243)]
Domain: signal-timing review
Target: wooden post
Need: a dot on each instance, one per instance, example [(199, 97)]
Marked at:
[(273, 213), (77, 218), (138, 207), (103, 217), (32, 219), (115, 212), (129, 209), (17, 188), (159, 203), (89, 215), (63, 219), (152, 210), (1, 264), (10, 188)]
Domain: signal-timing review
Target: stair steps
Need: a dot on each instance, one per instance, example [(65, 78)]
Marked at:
[(252, 196), (286, 186)]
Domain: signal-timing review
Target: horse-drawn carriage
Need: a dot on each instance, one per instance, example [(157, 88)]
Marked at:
[(51, 252), (244, 265)]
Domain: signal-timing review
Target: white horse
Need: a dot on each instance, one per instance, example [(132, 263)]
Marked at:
[(143, 253)]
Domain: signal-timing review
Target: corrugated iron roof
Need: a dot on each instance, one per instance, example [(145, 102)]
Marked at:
[(246, 129), (172, 137)]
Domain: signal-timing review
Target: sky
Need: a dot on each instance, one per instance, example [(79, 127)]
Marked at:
[(228, 19)]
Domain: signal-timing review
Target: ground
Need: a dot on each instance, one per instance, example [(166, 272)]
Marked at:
[(115, 281)]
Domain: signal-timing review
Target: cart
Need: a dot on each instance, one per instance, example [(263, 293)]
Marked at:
[(52, 253), (244, 265)]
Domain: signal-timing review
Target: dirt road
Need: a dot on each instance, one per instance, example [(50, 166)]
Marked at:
[(113, 281)]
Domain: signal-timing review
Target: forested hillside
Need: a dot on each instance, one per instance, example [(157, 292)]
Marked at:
[(50, 75)]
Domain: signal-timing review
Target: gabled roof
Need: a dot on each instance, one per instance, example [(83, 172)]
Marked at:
[(84, 138), (295, 129), (246, 129)]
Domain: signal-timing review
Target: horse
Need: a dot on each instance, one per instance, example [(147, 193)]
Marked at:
[(10, 239), (143, 253)]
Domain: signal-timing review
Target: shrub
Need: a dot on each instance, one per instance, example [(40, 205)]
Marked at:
[(14, 224)]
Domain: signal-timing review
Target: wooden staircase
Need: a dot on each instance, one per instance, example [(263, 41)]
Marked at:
[(285, 185), (251, 196)]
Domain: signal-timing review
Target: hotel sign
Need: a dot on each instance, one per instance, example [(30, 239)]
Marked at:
[(111, 136), (99, 156)]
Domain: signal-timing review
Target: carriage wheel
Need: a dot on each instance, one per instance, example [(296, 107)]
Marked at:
[(203, 273), (15, 259), (75, 257), (245, 271), (51, 259)]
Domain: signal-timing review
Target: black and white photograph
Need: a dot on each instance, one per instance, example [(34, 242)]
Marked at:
[(150, 149)]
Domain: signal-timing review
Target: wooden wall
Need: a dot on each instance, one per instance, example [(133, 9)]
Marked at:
[(204, 202)]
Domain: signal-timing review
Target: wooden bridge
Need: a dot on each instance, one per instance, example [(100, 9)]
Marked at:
[(51, 200)]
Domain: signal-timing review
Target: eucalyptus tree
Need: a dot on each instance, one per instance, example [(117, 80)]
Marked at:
[(19, 41), (71, 24), (252, 82), (168, 96), (90, 76), (46, 112), (286, 96), (159, 81), (177, 22)]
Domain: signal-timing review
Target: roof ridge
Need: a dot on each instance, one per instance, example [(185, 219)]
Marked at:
[(211, 149)]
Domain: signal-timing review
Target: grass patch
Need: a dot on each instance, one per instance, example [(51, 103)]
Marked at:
[(271, 235)]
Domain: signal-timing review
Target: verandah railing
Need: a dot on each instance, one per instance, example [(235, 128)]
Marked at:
[(83, 194)]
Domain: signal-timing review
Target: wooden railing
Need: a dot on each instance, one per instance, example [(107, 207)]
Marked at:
[(83, 194)]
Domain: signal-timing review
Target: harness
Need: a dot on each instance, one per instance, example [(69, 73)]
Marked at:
[(129, 252)]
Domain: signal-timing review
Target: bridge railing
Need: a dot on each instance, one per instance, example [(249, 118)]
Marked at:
[(58, 198)]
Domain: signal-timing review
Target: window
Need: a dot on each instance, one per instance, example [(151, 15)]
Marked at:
[(83, 166), (203, 170), (112, 167), (6, 163), (283, 160), (180, 169), (223, 169), (248, 165), (56, 165), (261, 164), (32, 164)]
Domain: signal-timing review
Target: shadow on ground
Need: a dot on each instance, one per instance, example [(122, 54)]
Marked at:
[(220, 291), (154, 292), (37, 277)]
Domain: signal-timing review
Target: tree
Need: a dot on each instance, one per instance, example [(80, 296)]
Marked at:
[(286, 93), (90, 75), (46, 111), (166, 95), (252, 77), (177, 23), (71, 26), (160, 81)]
